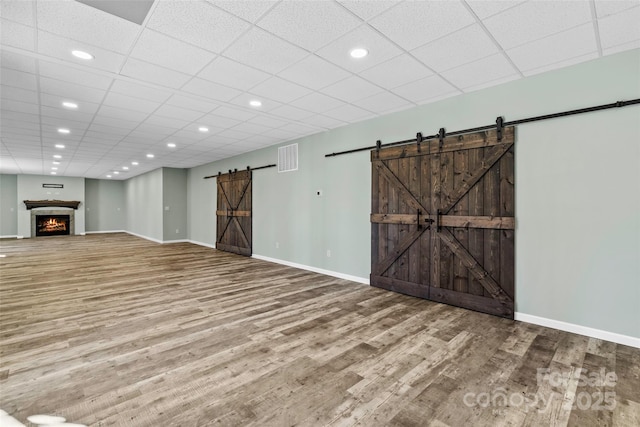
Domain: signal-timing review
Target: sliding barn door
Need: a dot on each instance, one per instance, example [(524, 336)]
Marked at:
[(443, 223), (234, 212)]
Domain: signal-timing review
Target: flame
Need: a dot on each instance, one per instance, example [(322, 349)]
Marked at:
[(53, 224)]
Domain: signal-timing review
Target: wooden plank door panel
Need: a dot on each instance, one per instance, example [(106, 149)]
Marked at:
[(233, 213), (443, 221)]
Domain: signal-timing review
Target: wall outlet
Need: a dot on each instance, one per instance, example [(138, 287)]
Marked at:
[(319, 193), (177, 230), (277, 245), (328, 253)]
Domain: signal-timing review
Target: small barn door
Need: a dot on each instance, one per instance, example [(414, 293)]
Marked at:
[(234, 212), (442, 221)]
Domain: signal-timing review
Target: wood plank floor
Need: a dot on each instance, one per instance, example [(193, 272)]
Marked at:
[(115, 330)]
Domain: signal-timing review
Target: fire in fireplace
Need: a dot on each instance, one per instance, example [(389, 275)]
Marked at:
[(52, 225)]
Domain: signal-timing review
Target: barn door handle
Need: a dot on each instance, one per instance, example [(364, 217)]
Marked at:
[(438, 222), (418, 220)]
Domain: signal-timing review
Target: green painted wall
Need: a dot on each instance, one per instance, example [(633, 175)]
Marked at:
[(144, 205), (105, 205), (174, 202), (8, 205), (577, 192)]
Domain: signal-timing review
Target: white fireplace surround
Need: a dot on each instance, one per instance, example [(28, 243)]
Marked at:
[(59, 211)]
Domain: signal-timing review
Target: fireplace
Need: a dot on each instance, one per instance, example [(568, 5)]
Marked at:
[(53, 225), (52, 222)]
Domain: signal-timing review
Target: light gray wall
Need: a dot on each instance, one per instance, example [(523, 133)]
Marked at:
[(105, 202), (577, 192), (144, 205), (30, 188), (174, 201), (8, 205)]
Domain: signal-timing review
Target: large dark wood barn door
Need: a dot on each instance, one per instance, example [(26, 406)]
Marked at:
[(234, 212), (442, 221)]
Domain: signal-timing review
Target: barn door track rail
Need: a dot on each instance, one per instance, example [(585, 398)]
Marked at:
[(249, 168), (500, 124)]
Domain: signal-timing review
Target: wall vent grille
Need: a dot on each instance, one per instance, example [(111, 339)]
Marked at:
[(288, 158)]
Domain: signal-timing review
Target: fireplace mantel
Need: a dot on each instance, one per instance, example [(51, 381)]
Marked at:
[(50, 203)]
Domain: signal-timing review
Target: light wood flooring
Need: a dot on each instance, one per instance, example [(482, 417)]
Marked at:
[(116, 330)]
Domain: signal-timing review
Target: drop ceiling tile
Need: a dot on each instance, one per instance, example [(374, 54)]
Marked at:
[(453, 50), (561, 64), (247, 10), (18, 94), (19, 118), (410, 24), (121, 113), (352, 89), (396, 72), (19, 79), (85, 110), (244, 99), (17, 62), (384, 102), (299, 128), (18, 11), (608, 7), (291, 113), (251, 128), (486, 8), (534, 20), (490, 83), (279, 90), (211, 90), (309, 24), (314, 72), (71, 91), (105, 120), (231, 73), (324, 121), (480, 72), (233, 113), (167, 52), (152, 73), (63, 114), (119, 100), (425, 89), (19, 107), (17, 35), (178, 113), (140, 91), (559, 47), (78, 21), (281, 134), (171, 122), (349, 113), (380, 49), (317, 103), (264, 51), (231, 134), (193, 22), (218, 122), (367, 9), (60, 48), (620, 29), (622, 48), (192, 103), (268, 121), (74, 75)]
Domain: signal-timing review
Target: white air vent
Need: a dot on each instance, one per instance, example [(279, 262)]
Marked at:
[(288, 158)]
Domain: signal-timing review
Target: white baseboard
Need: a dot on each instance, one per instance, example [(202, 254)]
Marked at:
[(208, 245), (13, 236), (176, 241), (19, 237), (144, 237), (579, 329), (105, 231), (314, 269)]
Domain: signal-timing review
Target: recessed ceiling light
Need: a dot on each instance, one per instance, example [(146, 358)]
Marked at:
[(108, 176), (81, 54), (359, 53), (126, 168), (54, 168), (53, 173), (151, 156), (255, 103), (59, 145), (116, 172), (203, 129), (56, 163), (71, 105), (135, 163), (171, 145), (65, 131), (57, 156)]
